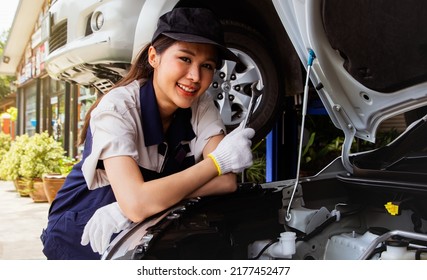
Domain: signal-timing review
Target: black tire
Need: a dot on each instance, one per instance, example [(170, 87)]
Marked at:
[(233, 93)]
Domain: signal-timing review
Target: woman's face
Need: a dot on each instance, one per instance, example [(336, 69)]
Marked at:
[(182, 73)]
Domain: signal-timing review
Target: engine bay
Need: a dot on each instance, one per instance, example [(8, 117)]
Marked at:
[(329, 219)]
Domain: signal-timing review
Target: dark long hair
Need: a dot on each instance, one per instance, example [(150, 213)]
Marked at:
[(140, 69)]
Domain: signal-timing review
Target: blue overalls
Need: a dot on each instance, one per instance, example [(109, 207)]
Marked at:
[(75, 204)]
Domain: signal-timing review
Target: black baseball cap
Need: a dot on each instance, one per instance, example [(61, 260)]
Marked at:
[(194, 25)]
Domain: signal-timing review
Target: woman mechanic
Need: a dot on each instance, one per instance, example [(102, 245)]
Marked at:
[(151, 141)]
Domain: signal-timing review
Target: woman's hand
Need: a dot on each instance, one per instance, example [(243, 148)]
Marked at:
[(234, 153), (104, 223)]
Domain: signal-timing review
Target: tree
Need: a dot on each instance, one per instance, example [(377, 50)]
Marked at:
[(4, 80)]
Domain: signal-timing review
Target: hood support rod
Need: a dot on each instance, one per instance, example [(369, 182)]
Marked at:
[(311, 57)]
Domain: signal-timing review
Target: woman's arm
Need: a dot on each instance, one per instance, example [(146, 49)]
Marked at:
[(139, 199)]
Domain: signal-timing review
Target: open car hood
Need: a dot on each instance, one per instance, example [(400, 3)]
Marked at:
[(370, 57)]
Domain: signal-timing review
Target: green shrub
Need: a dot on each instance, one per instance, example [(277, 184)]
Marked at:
[(42, 155), (5, 142), (11, 161)]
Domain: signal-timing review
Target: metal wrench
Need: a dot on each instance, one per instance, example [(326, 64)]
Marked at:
[(255, 94)]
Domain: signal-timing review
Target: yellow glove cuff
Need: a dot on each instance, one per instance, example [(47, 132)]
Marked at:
[(218, 168)]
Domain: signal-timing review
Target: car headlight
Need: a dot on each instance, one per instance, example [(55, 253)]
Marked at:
[(97, 21)]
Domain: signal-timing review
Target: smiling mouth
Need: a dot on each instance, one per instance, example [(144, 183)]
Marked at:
[(189, 90)]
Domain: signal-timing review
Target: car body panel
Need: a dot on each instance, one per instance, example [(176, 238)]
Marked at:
[(81, 50), (151, 11)]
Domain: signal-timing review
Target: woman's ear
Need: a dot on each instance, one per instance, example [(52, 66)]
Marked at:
[(152, 57)]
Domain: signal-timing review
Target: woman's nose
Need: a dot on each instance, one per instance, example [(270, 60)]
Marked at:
[(194, 73)]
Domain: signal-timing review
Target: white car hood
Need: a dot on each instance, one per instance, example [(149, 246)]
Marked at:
[(370, 59), (377, 66)]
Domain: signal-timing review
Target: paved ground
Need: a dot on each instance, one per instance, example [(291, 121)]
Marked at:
[(21, 223)]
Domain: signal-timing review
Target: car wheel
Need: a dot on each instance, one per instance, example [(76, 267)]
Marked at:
[(231, 86)]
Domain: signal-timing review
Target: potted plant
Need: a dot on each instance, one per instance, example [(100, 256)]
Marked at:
[(11, 162), (52, 182), (42, 155)]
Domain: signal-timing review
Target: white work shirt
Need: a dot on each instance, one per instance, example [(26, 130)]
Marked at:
[(117, 128)]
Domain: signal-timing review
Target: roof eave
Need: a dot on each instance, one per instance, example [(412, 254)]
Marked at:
[(27, 13)]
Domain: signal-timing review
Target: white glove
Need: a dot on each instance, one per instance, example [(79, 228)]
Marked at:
[(104, 223), (234, 153)]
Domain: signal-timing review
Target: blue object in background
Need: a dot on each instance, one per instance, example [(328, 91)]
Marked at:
[(282, 142)]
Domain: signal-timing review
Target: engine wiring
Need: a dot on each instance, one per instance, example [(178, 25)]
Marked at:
[(261, 252)]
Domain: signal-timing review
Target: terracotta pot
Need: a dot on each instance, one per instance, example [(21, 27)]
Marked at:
[(37, 192), (51, 184), (22, 187)]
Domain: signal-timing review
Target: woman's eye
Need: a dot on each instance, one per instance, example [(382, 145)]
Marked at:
[(185, 59), (209, 66)]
